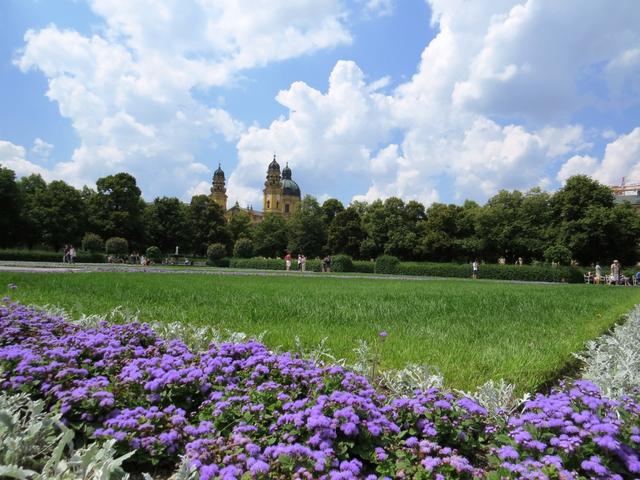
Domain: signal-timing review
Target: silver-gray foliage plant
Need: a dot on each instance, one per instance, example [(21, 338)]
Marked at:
[(612, 362), (498, 397)]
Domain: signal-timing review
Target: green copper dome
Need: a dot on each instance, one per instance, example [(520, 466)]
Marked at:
[(289, 187)]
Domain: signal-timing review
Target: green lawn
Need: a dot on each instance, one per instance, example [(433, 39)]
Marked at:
[(471, 331)]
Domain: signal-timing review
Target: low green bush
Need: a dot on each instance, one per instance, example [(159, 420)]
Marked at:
[(48, 256), (92, 242), (243, 248), (117, 246), (342, 263), (154, 253), (216, 251), (387, 264)]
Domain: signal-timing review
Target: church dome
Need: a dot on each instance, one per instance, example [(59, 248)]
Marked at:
[(218, 173), (289, 187), (286, 172)]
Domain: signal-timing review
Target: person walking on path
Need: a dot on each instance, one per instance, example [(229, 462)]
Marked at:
[(299, 266), (598, 276), (287, 261), (615, 272), (475, 269), (326, 263), (72, 254), (65, 256), (303, 261)]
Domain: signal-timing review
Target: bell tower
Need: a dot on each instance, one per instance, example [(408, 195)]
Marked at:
[(218, 189), (273, 189)]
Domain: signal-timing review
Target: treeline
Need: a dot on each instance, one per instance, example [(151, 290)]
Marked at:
[(580, 221)]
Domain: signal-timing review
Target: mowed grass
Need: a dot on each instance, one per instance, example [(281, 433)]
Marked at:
[(472, 331)]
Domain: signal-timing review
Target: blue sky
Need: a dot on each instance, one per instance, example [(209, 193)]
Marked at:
[(429, 100)]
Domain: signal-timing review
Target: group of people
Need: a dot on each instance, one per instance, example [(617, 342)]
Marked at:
[(69, 254), (302, 262), (615, 277)]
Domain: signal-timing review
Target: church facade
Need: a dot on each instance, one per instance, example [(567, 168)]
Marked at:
[(281, 194)]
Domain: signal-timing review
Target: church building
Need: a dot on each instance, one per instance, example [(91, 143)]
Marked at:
[(281, 195)]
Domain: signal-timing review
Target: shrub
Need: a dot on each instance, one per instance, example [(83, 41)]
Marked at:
[(154, 253), (342, 263), (243, 248), (558, 254), (387, 264), (92, 242), (117, 246), (216, 251)]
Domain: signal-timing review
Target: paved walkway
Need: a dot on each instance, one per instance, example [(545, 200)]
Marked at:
[(50, 267)]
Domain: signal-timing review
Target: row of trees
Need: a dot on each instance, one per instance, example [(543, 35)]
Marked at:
[(579, 221)]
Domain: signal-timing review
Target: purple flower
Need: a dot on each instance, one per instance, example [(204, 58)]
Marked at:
[(12, 286), (383, 334)]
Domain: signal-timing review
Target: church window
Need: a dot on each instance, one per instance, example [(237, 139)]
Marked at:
[(286, 208), (268, 204), (278, 205)]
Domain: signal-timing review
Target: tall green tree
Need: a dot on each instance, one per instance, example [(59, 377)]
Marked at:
[(330, 208), (437, 232), (346, 233), (31, 231), (11, 207), (167, 225), (583, 220), (61, 213), (207, 224), (240, 226), (500, 225), (116, 209), (271, 236), (307, 229)]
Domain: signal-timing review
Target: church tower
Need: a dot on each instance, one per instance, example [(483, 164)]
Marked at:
[(218, 189), (272, 189), (290, 193)]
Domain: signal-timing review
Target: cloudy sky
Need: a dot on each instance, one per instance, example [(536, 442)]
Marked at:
[(436, 101)]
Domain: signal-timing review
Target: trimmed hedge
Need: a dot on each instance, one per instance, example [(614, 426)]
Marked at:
[(493, 271), (48, 256), (260, 263), (387, 264), (540, 273)]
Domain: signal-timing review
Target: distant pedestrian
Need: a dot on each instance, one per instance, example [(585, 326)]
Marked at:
[(72, 254), (303, 261), (299, 266), (598, 276), (287, 261), (65, 255), (475, 269), (615, 273), (326, 263)]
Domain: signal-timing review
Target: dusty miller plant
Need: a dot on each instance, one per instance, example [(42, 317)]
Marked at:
[(405, 381), (28, 433), (499, 398), (612, 362)]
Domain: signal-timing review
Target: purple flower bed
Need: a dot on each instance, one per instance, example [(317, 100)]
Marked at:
[(239, 410)]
